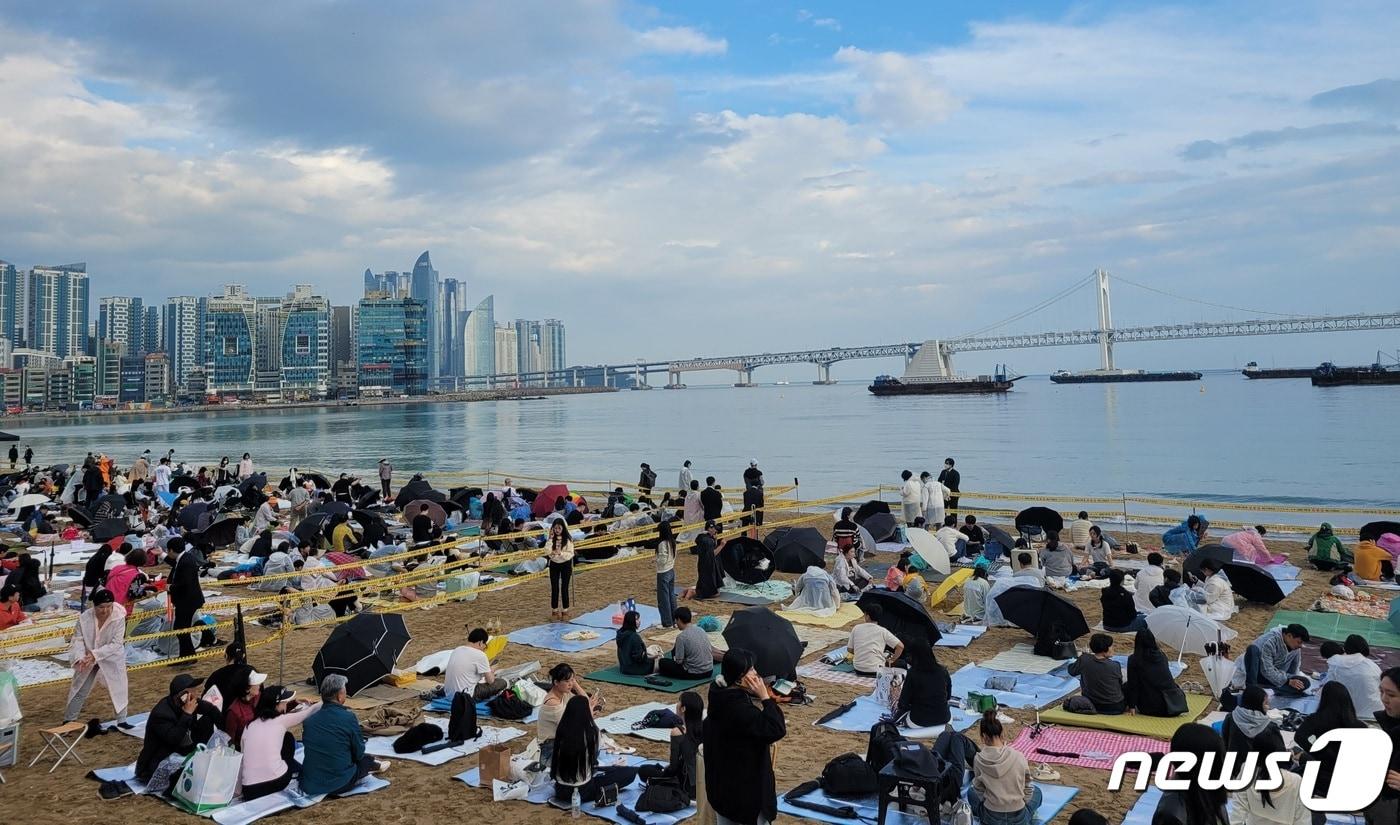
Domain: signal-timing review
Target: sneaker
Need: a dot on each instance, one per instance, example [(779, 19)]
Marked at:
[(1045, 773), (381, 765)]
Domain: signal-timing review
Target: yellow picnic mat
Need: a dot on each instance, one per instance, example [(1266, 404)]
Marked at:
[(844, 615), (1156, 727), (940, 592)]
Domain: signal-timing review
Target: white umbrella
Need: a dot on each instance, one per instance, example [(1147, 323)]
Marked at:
[(930, 550), (1187, 630), (30, 500), (1219, 672)]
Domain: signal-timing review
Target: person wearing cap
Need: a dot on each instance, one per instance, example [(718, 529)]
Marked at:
[(753, 476), (334, 749), (239, 712), (269, 749), (231, 679), (1275, 659), (176, 725), (99, 652), (386, 474)]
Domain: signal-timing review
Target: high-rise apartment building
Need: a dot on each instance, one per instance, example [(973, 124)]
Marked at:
[(552, 345), (11, 301), (182, 328), (342, 343), (305, 344), (423, 287), (452, 300), (392, 346), (58, 309), (154, 330), (122, 320), (506, 345), (230, 327)]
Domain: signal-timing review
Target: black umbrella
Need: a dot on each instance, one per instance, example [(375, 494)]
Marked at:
[(1253, 583), (462, 495), (240, 636), (1219, 552), (8, 437), (1038, 611), (309, 528), (869, 509), (413, 490), (108, 529), (372, 527), (363, 650), (999, 536), (795, 549), (108, 506), (221, 532), (79, 515), (315, 478), (882, 527), (190, 513), (187, 482), (1376, 529), (769, 637), (1043, 517), (334, 508), (746, 560), (367, 500), (901, 615)]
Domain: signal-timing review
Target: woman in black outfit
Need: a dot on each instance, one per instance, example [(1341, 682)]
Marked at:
[(1149, 677), (926, 688), (27, 581), (574, 765), (1195, 806), (685, 744), (1119, 611), (1386, 809), (1334, 710)]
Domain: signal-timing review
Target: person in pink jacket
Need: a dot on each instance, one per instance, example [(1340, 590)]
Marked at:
[(120, 578), (99, 652), (1248, 545)]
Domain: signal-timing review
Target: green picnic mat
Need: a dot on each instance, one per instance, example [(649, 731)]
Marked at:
[(1338, 626), (617, 677), (1157, 727)]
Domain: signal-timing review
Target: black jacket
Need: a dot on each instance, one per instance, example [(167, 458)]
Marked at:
[(424, 529), (708, 575), (738, 766), (950, 478), (185, 589), (1147, 683), (712, 502), (1119, 610), (170, 730), (925, 697), (753, 498), (27, 581)]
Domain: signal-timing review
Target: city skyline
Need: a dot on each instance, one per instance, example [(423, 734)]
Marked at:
[(899, 172)]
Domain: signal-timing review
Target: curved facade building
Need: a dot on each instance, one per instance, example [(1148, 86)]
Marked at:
[(479, 338)]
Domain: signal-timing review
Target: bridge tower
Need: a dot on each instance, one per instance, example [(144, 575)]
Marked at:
[(1105, 331)]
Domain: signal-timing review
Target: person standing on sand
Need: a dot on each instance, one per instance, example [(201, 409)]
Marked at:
[(910, 497), (560, 549), (386, 474), (711, 500), (28, 455), (686, 475), (14, 456), (245, 467), (951, 479)]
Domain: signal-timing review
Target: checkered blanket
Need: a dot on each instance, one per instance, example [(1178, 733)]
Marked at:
[(1095, 748), (826, 673)]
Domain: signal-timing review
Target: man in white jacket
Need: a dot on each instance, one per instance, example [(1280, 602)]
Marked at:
[(934, 494), (1359, 674), (1146, 579), (911, 496)]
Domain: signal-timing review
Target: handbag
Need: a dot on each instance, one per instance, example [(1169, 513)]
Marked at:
[(663, 795), (1175, 699), (209, 779)]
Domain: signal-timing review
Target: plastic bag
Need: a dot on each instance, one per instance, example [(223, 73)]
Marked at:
[(209, 780), (9, 699)]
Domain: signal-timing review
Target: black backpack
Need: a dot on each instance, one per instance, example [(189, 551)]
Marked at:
[(848, 775), (462, 725), (663, 795), (509, 707), (914, 760), (884, 739)]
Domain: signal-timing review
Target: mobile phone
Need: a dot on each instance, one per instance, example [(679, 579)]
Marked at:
[(783, 687)]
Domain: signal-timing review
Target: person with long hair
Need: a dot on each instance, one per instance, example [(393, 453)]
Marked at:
[(1120, 613), (268, 747), (926, 688), (1196, 805), (27, 580), (574, 766), (1002, 792), (1149, 677), (1280, 807), (559, 546), (1334, 710), (744, 723), (1386, 809), (685, 744), (1247, 721), (666, 572), (975, 592), (632, 656), (563, 686)]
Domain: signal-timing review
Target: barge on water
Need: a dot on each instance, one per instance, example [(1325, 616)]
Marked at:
[(1253, 370), (1331, 375), (937, 385), (1113, 376)]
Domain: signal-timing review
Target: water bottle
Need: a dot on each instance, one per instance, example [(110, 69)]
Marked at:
[(575, 809)]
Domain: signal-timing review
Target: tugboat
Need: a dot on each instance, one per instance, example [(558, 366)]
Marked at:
[(940, 385), (1253, 370), (1331, 375), (1113, 376)]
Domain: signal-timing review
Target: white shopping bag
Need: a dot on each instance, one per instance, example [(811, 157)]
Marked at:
[(209, 780), (889, 684), (502, 791)]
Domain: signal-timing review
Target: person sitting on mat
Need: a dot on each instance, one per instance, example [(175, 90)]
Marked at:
[(1120, 614), (692, 657), (1321, 546), (870, 642), (685, 744), (1149, 677), (926, 688), (469, 671), (574, 765), (632, 656), (1100, 677), (1002, 792), (333, 748), (563, 686), (1275, 659)]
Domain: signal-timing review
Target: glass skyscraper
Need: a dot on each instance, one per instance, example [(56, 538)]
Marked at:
[(392, 343), (306, 352), (480, 339), (229, 329), (423, 287)]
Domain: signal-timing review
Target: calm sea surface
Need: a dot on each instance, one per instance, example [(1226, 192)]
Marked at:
[(1225, 437)]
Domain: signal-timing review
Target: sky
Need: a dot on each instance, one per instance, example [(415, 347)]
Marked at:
[(729, 176)]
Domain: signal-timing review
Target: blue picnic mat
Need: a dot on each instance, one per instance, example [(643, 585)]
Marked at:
[(550, 637), (627, 796), (1053, 799), (961, 635), (866, 712), (603, 617), (1146, 805), (1032, 690), (443, 704)]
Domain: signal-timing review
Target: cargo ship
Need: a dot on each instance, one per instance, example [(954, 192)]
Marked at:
[(1331, 375), (936, 385), (1120, 376), (1253, 370)]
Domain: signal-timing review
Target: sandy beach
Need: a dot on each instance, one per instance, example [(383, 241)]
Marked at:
[(420, 794)]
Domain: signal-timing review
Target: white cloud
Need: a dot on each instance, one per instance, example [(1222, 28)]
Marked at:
[(680, 40), (897, 90), (830, 23)]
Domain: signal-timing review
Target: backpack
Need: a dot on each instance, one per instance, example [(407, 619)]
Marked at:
[(507, 706), (913, 759), (462, 724), (884, 739), (663, 795), (848, 775), (659, 718)]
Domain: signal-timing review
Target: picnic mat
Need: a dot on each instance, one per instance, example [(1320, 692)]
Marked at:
[(844, 615), (1156, 727), (1369, 608), (34, 671), (1095, 748), (620, 723), (627, 796), (1021, 659), (603, 617), (961, 635), (614, 676), (443, 704), (1053, 799), (551, 637), (814, 637), (1386, 657), (1146, 805), (1289, 585), (1339, 626), (1283, 572), (384, 745), (865, 712), (1032, 690), (839, 674)]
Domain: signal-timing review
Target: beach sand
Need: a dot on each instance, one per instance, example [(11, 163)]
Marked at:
[(419, 794)]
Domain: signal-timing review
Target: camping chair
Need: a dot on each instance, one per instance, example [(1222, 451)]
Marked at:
[(1032, 533), (56, 739)]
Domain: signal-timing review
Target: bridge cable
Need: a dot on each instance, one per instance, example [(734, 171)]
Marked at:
[(1024, 313), (1121, 279)]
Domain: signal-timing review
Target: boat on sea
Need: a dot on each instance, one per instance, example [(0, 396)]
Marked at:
[(1116, 376), (943, 385), (1331, 375), (1253, 370)]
